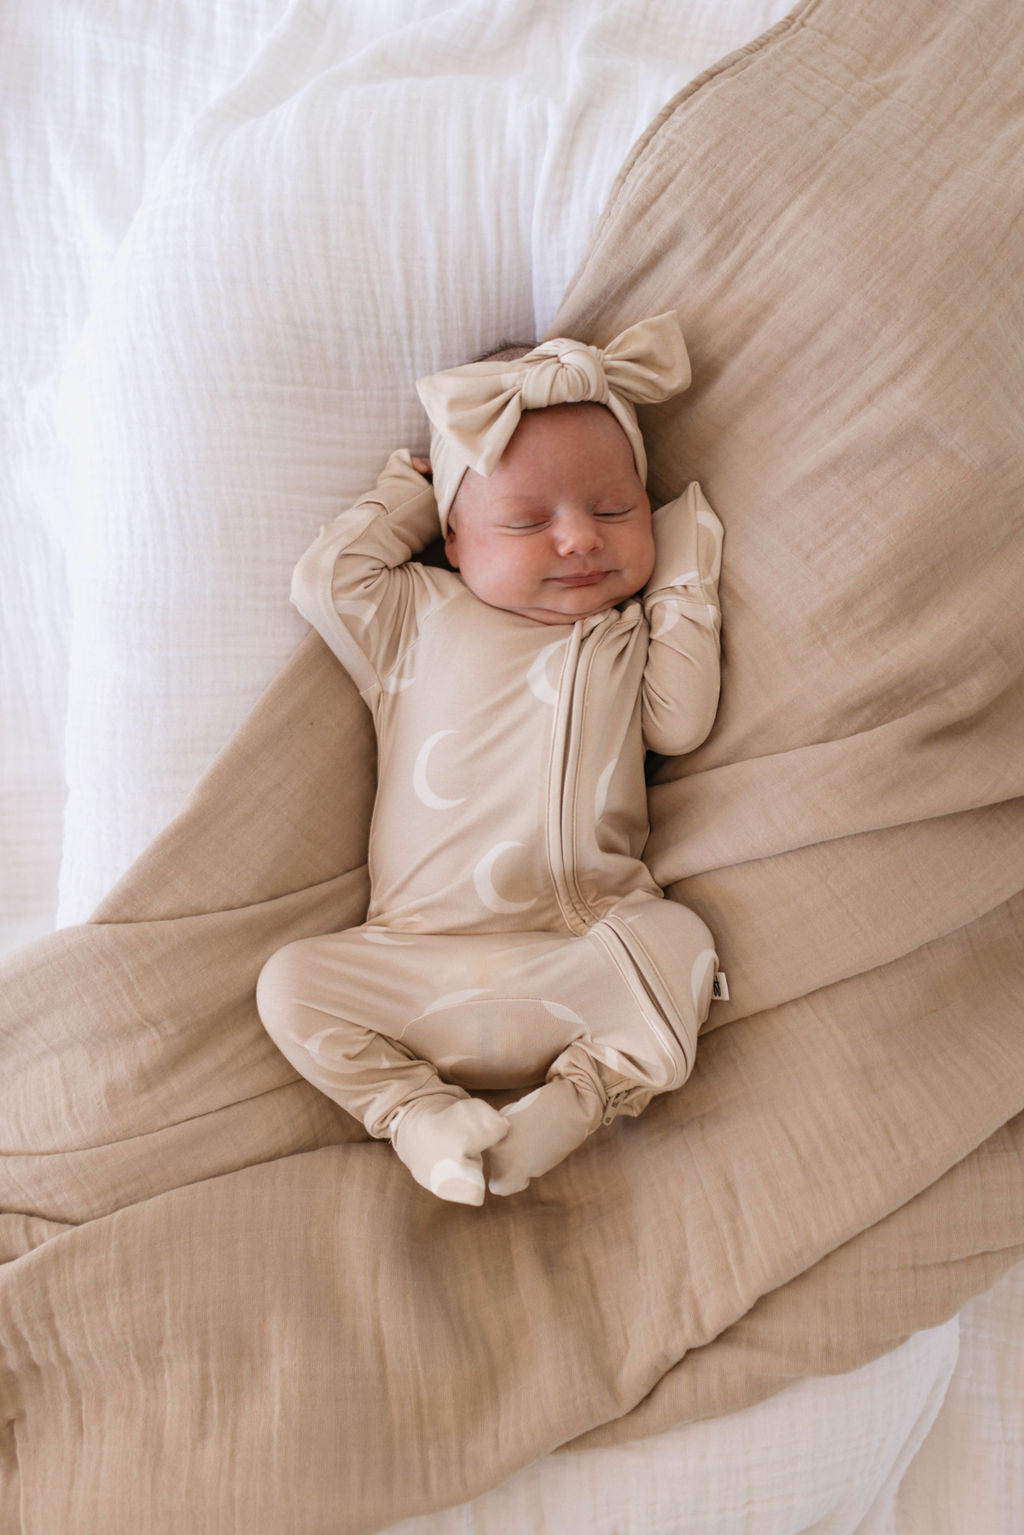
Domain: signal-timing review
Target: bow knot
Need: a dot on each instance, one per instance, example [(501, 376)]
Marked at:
[(563, 372)]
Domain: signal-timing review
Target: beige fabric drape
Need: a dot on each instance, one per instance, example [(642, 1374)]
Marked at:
[(223, 1308)]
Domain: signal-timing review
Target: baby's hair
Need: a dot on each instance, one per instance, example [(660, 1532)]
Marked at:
[(507, 351)]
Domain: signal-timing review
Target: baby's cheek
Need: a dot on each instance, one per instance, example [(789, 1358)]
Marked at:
[(520, 564), (642, 563)]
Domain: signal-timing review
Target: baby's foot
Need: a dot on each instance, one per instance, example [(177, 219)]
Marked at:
[(441, 1141), (543, 1128)]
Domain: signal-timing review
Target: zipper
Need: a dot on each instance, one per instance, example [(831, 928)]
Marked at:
[(575, 910), (656, 1015)]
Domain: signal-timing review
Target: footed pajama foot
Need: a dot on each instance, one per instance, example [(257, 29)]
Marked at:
[(441, 1141), (543, 1128)]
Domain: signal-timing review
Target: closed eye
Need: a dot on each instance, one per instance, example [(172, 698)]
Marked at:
[(621, 512)]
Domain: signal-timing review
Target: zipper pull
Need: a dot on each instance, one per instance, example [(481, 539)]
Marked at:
[(612, 1106)]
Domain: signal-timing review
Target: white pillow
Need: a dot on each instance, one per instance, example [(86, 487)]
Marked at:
[(94, 95)]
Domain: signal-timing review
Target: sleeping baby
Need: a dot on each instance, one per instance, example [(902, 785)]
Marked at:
[(514, 937)]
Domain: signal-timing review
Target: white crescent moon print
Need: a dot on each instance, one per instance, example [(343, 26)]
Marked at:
[(452, 999), (357, 607), (537, 676), (484, 882), (665, 618), (566, 1014), (315, 1042), (603, 785), (424, 793), (398, 682)]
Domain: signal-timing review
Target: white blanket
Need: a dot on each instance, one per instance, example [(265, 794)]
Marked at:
[(93, 98), (194, 191)]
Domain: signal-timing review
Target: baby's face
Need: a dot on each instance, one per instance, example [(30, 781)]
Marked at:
[(562, 527)]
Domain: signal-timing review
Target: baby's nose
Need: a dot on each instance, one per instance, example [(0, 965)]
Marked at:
[(577, 533)]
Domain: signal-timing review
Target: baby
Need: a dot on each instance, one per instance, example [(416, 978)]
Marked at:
[(514, 936)]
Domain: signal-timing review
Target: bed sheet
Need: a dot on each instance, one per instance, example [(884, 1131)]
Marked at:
[(776, 1469), (926, 1439), (136, 598), (94, 95)]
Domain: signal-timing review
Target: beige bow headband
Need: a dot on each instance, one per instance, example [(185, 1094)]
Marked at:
[(474, 409)]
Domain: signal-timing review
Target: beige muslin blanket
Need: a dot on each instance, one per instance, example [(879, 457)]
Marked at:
[(223, 1308)]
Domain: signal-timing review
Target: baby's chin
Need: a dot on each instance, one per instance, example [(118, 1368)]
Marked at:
[(567, 612), (567, 604), (564, 616)]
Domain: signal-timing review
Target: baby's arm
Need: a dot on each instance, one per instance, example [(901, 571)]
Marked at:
[(682, 676), (355, 585)]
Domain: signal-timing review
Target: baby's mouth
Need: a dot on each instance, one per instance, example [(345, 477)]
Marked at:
[(584, 578)]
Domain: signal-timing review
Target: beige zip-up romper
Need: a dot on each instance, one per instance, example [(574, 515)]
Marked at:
[(513, 933)]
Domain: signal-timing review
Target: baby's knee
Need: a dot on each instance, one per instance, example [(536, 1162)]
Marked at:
[(279, 987), (646, 1054)]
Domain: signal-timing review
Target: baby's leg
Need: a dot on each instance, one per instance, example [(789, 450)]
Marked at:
[(640, 1036), (437, 1129)]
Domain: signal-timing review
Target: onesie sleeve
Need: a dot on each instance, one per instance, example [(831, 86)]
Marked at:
[(682, 675), (355, 584)]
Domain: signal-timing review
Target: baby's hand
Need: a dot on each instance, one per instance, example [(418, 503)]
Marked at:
[(422, 466)]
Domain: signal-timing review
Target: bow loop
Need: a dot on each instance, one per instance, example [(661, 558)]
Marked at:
[(648, 362)]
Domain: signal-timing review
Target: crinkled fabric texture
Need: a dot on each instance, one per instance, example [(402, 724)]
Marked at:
[(222, 1306)]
